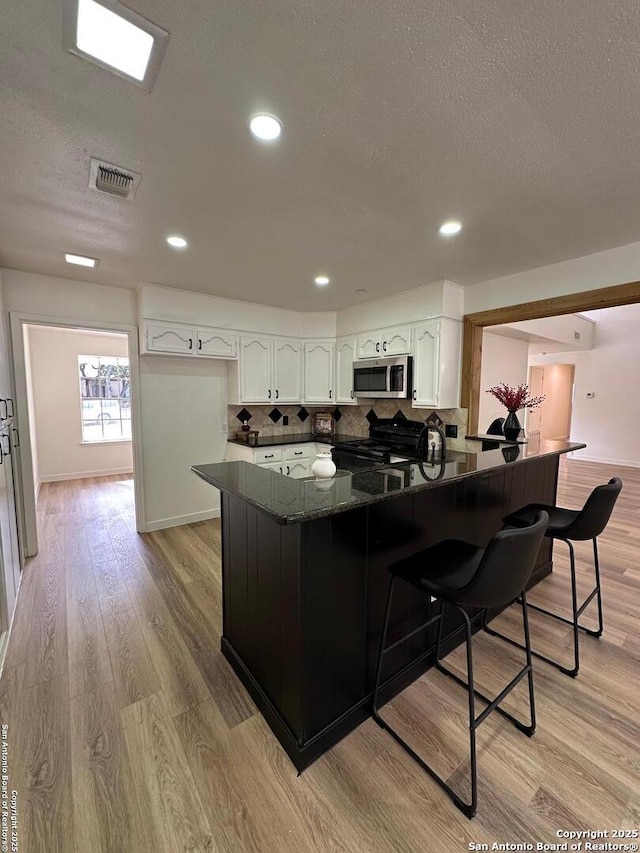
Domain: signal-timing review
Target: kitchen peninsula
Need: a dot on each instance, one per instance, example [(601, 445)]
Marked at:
[(304, 572)]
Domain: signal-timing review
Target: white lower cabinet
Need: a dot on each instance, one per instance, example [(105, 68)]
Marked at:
[(292, 460)]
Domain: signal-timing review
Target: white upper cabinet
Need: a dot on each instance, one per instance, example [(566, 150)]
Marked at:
[(216, 343), (396, 341), (369, 345), (436, 363), (345, 355), (318, 371), (169, 338), (179, 339), (287, 371), (269, 370), (255, 369), (382, 342)]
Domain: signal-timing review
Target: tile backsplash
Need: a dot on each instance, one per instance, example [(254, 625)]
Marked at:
[(349, 420)]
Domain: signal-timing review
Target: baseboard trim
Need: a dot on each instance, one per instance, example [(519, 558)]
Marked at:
[(177, 520), (83, 475), (625, 463)]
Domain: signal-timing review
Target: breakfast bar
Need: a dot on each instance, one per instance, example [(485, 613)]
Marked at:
[(304, 573)]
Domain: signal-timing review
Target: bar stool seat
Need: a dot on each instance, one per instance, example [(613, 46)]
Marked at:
[(464, 576), (570, 525)]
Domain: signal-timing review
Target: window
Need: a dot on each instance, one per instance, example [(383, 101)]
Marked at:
[(105, 392)]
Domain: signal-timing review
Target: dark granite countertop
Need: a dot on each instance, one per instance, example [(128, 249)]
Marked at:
[(295, 438), (290, 501)]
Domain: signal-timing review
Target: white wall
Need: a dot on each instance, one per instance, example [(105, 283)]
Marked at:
[(503, 360), (602, 269), (608, 423), (167, 303), (442, 298), (572, 330), (57, 405), (185, 421)]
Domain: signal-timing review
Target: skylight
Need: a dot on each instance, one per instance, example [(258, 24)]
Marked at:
[(115, 37), (107, 36)]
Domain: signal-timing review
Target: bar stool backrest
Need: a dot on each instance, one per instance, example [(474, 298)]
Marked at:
[(595, 514), (506, 565)]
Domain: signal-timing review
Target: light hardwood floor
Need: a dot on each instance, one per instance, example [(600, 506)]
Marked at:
[(129, 732)]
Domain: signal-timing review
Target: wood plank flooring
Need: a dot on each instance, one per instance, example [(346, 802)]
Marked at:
[(129, 732)]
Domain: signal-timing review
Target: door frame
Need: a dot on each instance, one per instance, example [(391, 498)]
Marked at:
[(27, 497), (474, 325)]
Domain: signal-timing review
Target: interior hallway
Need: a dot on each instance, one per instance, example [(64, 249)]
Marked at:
[(129, 732)]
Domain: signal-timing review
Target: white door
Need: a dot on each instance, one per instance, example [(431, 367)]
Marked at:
[(297, 469), (345, 354), (425, 364), (369, 345), (396, 341), (255, 370), (318, 371), (287, 371), (216, 343), (165, 337)]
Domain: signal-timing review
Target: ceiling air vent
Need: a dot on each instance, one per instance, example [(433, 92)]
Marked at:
[(114, 180)]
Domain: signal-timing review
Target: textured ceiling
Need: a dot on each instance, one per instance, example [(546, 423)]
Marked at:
[(520, 118)]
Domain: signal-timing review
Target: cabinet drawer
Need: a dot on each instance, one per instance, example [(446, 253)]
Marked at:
[(269, 454), (297, 452)]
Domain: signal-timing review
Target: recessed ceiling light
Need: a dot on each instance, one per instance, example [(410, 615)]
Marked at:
[(265, 127), (449, 228), (177, 242), (115, 37), (322, 280), (80, 260)]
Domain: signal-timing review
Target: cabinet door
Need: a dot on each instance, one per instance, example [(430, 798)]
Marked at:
[(318, 371), (165, 337), (216, 343), (255, 370), (426, 346), (297, 469), (396, 341), (287, 371), (273, 466), (369, 345), (345, 355)]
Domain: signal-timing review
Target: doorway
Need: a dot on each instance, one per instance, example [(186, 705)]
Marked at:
[(552, 419), (77, 401)]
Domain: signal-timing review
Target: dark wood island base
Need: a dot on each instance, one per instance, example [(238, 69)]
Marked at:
[(304, 590)]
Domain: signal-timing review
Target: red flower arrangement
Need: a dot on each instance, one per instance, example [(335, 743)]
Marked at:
[(514, 399)]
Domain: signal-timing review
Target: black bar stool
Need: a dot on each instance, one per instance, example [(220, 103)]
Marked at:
[(463, 575), (576, 525)]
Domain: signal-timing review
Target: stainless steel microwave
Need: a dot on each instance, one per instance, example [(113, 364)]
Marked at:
[(383, 377)]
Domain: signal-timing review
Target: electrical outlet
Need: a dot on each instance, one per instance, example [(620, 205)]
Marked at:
[(285, 420), (451, 430)]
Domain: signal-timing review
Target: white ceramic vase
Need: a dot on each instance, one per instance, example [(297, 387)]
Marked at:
[(323, 467)]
